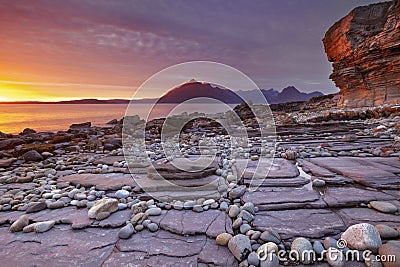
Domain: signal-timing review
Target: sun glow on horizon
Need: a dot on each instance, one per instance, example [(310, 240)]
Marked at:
[(20, 91)]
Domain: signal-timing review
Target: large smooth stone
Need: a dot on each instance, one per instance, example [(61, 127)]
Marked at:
[(363, 236), (382, 206), (390, 251), (240, 246)]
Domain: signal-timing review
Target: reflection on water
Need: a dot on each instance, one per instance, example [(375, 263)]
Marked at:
[(54, 117)]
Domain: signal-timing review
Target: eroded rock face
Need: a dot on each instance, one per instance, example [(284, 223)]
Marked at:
[(364, 47)]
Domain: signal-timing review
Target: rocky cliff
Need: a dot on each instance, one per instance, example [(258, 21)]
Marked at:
[(364, 47)]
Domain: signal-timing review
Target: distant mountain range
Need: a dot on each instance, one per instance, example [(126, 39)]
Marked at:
[(288, 94), (194, 89)]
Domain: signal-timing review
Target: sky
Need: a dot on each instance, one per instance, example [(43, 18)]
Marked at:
[(57, 50)]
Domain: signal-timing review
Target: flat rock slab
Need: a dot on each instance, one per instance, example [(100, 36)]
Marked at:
[(60, 246), (69, 215), (277, 182), (109, 160), (336, 197), (142, 259), (168, 196), (8, 217), (205, 183), (184, 168), (187, 222), (361, 171), (393, 162), (117, 219), (316, 170), (109, 181), (364, 215), (311, 223), (283, 198), (275, 168), (175, 249)]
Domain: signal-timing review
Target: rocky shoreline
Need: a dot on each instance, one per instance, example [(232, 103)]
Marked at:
[(68, 198)]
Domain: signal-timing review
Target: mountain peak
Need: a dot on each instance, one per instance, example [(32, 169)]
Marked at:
[(193, 80), (290, 89)]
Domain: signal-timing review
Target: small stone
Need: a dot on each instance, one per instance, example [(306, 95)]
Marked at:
[(41, 227), (233, 211), (335, 257), (266, 251), (254, 157), (240, 246), (302, 245), (223, 206), (178, 205), (189, 204), (72, 193), (197, 208), (47, 195), (146, 222), (362, 236), (271, 236), (270, 261), (252, 259), (330, 242), (122, 194), (256, 235), (222, 188), (154, 212), (244, 228), (318, 247), (237, 192), (245, 215), (319, 183), (80, 196), (122, 206), (152, 227), (208, 202), (387, 232), (139, 207), (249, 207), (32, 155), (19, 224), (29, 228), (139, 227), (384, 207), (56, 205), (126, 231), (109, 205), (268, 248), (237, 223), (214, 205), (139, 218), (91, 198), (223, 239)]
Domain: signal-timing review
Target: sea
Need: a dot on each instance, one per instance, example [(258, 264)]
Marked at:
[(14, 118)]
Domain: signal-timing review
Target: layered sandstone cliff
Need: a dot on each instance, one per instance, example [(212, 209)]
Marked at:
[(364, 47)]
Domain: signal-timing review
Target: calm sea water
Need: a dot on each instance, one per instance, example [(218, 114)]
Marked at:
[(54, 117)]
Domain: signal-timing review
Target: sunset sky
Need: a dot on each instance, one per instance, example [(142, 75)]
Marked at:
[(57, 50)]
